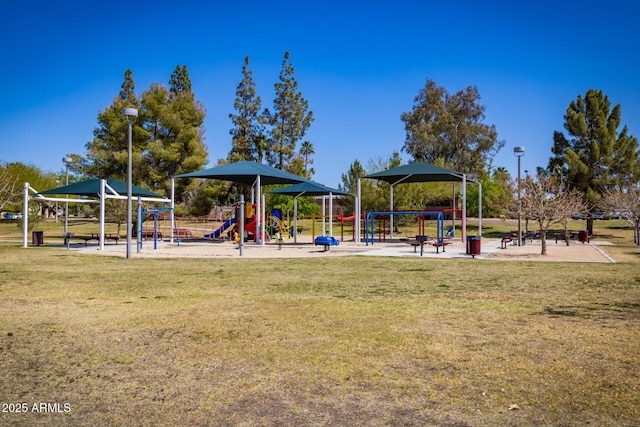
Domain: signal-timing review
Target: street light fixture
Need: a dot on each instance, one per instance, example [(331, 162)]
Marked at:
[(519, 152), (67, 162), (130, 114)]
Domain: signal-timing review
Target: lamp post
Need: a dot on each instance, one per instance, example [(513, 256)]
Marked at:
[(131, 114), (519, 152), (67, 161)]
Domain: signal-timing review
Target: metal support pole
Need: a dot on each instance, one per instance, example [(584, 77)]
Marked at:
[(129, 194), (172, 212), (101, 226), (519, 152), (241, 225), (519, 207), (131, 114), (358, 211), (25, 214), (139, 227), (330, 214)]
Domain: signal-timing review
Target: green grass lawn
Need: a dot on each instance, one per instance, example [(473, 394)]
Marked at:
[(320, 341)]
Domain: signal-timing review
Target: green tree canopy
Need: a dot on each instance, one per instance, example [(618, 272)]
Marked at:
[(247, 134), (444, 128), (290, 120), (350, 185), (594, 157), (168, 136)]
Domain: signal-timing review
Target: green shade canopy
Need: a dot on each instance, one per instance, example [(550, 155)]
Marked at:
[(245, 172), (91, 188), (309, 188), (416, 172)]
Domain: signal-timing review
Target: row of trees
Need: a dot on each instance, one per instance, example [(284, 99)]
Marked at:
[(168, 136), (592, 157), (272, 135)]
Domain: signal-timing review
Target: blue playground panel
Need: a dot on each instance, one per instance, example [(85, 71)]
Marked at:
[(216, 234)]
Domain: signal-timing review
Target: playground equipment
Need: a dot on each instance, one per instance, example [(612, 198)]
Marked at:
[(422, 217), (218, 232), (231, 224), (326, 241), (370, 223), (279, 225), (344, 219), (155, 233)]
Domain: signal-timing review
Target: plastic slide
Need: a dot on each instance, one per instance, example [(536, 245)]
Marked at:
[(216, 234), (251, 227)]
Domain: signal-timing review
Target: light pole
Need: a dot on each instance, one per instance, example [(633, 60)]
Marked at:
[(131, 114), (67, 161), (519, 152)]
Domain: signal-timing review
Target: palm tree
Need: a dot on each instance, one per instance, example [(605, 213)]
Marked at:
[(306, 149)]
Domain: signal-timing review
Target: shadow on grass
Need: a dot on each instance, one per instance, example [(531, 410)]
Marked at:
[(620, 310)]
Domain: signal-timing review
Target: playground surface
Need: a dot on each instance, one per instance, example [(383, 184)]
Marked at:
[(490, 250)]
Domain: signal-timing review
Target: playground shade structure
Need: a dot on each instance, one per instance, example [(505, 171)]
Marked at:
[(91, 187), (250, 173), (416, 172), (246, 172), (422, 172), (308, 188)]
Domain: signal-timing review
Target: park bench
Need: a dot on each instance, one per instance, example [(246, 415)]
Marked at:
[(439, 244), (531, 235), (148, 234), (572, 235), (182, 232), (513, 237), (422, 240), (505, 240), (94, 236)]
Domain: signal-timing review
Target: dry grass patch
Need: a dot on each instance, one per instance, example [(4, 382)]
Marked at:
[(335, 341)]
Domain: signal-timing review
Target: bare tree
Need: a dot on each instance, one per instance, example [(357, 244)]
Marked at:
[(9, 188), (547, 201), (628, 202)]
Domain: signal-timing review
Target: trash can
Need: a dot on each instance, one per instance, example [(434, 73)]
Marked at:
[(583, 236), (473, 245), (37, 238)]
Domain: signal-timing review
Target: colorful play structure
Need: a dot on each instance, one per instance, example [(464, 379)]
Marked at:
[(230, 226)]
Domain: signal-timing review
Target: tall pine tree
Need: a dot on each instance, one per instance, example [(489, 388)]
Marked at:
[(595, 157), (247, 134), (107, 153), (174, 120), (290, 119), (168, 136)]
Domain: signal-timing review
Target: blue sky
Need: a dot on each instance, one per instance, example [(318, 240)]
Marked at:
[(359, 64)]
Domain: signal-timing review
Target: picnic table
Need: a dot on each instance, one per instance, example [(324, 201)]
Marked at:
[(422, 240)]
